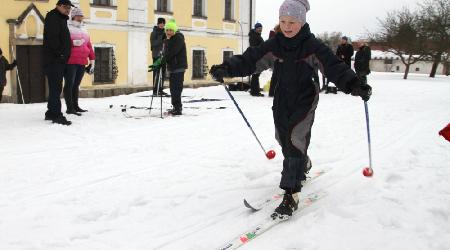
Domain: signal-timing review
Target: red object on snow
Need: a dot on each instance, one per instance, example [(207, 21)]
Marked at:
[(368, 172), (271, 154), (445, 132)]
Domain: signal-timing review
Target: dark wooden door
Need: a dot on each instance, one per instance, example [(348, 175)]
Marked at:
[(31, 74)]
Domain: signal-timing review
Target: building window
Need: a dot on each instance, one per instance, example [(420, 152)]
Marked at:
[(162, 5), (227, 55), (105, 65), (417, 69), (102, 2), (388, 61), (397, 68), (199, 8), (229, 10), (200, 68)]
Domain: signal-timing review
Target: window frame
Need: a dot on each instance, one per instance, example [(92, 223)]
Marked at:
[(204, 8), (203, 64), (227, 51), (112, 4), (231, 18), (109, 4), (97, 76), (168, 9)]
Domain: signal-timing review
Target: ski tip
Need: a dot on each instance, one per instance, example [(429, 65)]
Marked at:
[(250, 206)]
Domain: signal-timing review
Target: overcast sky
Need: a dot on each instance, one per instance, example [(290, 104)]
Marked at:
[(352, 17)]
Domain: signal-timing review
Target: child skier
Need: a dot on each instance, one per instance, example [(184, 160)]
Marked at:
[(174, 55), (296, 95)]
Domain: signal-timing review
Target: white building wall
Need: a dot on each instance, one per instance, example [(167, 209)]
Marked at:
[(378, 65), (244, 19), (138, 43)]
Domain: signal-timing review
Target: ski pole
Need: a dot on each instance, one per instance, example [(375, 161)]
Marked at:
[(18, 77), (368, 171), (161, 83), (158, 79), (270, 154)]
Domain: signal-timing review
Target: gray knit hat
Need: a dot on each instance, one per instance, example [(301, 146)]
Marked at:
[(76, 12), (295, 8)]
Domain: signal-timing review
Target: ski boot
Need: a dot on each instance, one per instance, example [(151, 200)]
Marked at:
[(308, 165), (287, 207)]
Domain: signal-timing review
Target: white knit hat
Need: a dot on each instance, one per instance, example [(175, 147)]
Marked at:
[(76, 12), (295, 8)]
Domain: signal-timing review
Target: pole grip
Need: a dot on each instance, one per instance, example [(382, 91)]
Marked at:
[(366, 108)]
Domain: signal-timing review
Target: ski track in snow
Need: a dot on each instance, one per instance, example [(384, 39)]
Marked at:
[(108, 182)]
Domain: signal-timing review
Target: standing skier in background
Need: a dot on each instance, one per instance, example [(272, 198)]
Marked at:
[(4, 66), (76, 66), (255, 39), (175, 56), (345, 51), (296, 95), (362, 62), (157, 38), (57, 48)]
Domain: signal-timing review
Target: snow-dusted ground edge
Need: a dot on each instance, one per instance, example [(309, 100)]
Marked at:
[(109, 182)]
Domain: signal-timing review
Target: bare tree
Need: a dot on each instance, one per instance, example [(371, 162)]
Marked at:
[(400, 34), (331, 39), (435, 25), (446, 62)]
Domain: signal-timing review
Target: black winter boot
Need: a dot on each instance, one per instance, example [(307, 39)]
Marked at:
[(61, 120), (287, 207), (175, 112), (73, 112), (80, 110)]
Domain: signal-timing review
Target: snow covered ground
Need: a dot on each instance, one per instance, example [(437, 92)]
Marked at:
[(110, 182)]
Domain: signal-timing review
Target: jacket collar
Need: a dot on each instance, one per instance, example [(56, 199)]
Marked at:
[(61, 15), (294, 42)]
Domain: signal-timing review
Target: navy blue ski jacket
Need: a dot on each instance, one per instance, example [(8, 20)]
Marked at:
[(297, 57)]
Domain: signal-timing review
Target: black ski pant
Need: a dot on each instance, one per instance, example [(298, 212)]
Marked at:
[(254, 84), (1, 92), (156, 77), (348, 61), (362, 77), (55, 75), (176, 88), (72, 79), (274, 79), (293, 133), (316, 77)]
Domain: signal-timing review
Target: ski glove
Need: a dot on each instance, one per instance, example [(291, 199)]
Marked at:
[(90, 68), (361, 89), (156, 65), (218, 72)]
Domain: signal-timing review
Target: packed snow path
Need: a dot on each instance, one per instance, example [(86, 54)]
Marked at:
[(109, 182)]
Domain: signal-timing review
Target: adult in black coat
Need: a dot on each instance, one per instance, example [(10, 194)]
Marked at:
[(296, 94), (255, 40), (345, 51), (362, 62), (4, 66), (57, 48), (274, 78), (157, 38), (176, 59)]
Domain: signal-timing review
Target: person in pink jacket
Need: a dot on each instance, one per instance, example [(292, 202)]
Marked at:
[(76, 66)]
